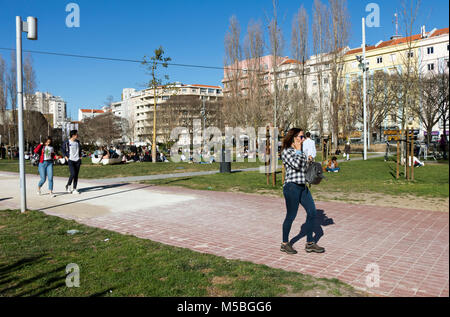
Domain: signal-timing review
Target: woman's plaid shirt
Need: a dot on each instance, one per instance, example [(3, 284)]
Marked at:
[(295, 165)]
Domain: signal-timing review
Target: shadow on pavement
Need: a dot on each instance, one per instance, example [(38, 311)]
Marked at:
[(1, 199), (320, 220), (96, 197)]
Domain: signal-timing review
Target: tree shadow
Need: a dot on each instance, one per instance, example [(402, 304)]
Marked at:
[(320, 220), (1, 199), (37, 277), (7, 269), (102, 293), (100, 187)]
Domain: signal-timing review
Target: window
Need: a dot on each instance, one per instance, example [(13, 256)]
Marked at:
[(295, 85), (218, 91), (379, 60), (210, 91), (194, 90), (430, 50), (393, 57), (203, 90), (410, 54), (430, 66), (325, 80), (314, 83), (286, 87)]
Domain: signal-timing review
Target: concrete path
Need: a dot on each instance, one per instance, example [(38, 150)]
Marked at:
[(408, 249)]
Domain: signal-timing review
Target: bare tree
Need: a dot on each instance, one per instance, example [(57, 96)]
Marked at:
[(339, 36), (276, 46), (234, 107), (3, 100), (29, 89), (434, 93), (303, 108), (11, 85), (380, 100), (104, 128), (320, 47), (256, 91)]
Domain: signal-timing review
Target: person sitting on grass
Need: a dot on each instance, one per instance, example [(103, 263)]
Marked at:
[(332, 165)]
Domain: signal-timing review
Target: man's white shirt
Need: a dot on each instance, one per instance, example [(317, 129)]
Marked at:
[(309, 148)]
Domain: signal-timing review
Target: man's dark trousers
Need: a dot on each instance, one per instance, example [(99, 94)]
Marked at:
[(74, 167)]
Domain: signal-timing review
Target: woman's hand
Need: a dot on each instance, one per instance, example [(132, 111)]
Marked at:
[(297, 143)]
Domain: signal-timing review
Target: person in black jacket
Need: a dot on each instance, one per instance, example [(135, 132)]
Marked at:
[(72, 153)]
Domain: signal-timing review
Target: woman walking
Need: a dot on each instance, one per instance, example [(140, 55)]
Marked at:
[(46, 157), (296, 192)]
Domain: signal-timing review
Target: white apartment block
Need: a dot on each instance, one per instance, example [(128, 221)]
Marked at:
[(137, 105), (46, 103)]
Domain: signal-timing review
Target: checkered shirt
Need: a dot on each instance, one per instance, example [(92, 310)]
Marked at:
[(295, 165)]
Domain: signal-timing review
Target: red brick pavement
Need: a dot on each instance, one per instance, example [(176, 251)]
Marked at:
[(409, 247)]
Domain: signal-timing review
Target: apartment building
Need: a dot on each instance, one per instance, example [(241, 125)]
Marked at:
[(53, 107), (429, 49), (176, 105), (425, 53)]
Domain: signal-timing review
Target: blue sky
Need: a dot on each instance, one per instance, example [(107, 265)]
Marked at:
[(191, 32)]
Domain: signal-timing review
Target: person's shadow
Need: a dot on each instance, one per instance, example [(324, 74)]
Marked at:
[(320, 220)]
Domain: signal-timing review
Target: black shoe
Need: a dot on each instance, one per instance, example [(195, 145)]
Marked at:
[(287, 248), (313, 247)]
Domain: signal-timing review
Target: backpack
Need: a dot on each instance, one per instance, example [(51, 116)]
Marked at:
[(314, 173)]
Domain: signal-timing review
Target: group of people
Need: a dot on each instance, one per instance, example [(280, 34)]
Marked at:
[(71, 150)]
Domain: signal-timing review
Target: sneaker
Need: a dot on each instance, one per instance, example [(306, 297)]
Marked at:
[(68, 189), (75, 191), (313, 247), (336, 171), (287, 248), (39, 191), (52, 195)]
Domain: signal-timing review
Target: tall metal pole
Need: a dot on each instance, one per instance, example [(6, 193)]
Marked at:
[(364, 84), (154, 122), (23, 191)]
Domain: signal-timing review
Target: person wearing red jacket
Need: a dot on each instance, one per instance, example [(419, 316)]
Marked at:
[(46, 157)]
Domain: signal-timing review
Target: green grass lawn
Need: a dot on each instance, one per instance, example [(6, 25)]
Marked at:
[(92, 171), (35, 249), (373, 176)]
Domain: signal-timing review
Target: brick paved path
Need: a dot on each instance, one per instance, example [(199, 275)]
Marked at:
[(410, 248)]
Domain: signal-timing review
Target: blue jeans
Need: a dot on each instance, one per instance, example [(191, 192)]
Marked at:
[(333, 169), (294, 195), (46, 170)]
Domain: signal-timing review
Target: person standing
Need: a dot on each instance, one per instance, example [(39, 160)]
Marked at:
[(296, 192), (347, 149), (443, 146), (45, 167), (309, 147), (72, 153)]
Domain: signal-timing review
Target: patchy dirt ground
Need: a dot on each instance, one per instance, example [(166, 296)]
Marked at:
[(375, 199)]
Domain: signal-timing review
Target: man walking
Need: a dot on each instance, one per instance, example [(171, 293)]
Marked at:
[(72, 153), (309, 147)]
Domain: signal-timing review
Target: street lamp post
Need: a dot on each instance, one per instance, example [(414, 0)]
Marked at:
[(364, 84), (30, 27)]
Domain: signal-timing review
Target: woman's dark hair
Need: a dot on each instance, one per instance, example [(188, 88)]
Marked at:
[(334, 158), (48, 138), (289, 137)]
